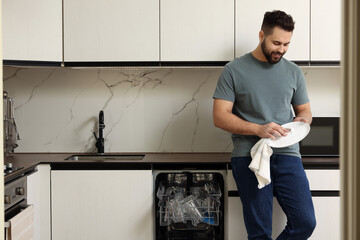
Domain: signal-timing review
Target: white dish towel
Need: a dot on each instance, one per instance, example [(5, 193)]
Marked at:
[(260, 164)]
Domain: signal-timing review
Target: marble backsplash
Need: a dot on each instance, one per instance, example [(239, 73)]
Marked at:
[(146, 110)]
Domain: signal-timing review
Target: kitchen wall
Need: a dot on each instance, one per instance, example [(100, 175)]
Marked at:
[(146, 110)]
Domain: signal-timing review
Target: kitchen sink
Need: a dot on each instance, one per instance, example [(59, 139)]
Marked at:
[(106, 157)]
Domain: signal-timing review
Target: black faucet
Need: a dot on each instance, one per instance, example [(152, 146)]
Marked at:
[(100, 142)]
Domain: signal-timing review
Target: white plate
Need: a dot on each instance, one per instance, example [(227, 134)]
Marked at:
[(298, 131)]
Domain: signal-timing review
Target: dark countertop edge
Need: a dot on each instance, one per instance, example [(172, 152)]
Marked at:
[(155, 161)]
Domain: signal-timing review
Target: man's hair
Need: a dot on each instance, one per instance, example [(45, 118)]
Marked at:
[(277, 18)]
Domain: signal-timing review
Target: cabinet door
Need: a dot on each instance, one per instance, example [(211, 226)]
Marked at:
[(92, 205), (126, 30), (327, 211), (326, 30), (327, 208), (32, 30), (235, 220), (236, 224), (199, 30), (249, 16), (38, 194)]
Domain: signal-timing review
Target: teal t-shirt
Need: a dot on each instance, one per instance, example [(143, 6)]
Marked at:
[(261, 93)]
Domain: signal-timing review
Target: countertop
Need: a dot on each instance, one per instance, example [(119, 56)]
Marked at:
[(28, 161)]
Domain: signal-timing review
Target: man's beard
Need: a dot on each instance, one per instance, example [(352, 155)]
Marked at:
[(268, 54)]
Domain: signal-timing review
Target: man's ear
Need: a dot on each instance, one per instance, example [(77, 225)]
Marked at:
[(261, 36)]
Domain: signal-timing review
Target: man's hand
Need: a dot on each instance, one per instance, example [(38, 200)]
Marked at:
[(272, 131)]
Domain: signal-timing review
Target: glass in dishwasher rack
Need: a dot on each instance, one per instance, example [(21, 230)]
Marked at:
[(200, 205), (189, 205), (189, 197)]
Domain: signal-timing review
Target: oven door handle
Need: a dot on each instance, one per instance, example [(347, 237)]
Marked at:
[(7, 224), (20, 219)]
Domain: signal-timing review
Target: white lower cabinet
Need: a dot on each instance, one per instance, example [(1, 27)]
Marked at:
[(102, 204), (327, 211), (236, 225), (38, 194), (327, 208)]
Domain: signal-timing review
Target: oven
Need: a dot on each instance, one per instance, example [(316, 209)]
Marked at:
[(323, 138), (19, 216)]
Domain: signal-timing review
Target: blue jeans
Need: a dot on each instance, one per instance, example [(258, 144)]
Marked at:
[(289, 185)]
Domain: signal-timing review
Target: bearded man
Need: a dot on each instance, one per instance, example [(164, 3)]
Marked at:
[(256, 94)]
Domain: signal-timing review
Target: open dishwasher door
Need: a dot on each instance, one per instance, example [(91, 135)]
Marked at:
[(189, 205)]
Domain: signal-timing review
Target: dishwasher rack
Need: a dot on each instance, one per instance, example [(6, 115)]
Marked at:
[(189, 205), (199, 205)]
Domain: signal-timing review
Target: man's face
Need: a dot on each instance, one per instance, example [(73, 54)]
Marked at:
[(275, 45)]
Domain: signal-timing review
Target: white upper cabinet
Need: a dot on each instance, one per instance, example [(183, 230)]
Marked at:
[(325, 30), (32, 30), (249, 16), (197, 30), (162, 30), (96, 30)]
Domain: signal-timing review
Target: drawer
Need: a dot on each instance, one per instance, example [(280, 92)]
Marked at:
[(318, 180), (328, 179)]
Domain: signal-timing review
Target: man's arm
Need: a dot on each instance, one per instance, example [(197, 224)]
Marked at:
[(303, 113), (226, 120)]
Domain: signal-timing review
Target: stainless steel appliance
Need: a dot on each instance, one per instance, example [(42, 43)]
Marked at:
[(18, 214), (189, 205), (323, 138)]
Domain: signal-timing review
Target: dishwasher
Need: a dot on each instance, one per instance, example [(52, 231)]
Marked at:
[(189, 204)]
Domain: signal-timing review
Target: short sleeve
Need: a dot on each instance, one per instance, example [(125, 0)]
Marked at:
[(225, 86), (300, 94)]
